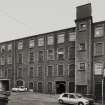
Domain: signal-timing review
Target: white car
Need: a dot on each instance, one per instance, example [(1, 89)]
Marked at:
[(74, 98), (19, 89)]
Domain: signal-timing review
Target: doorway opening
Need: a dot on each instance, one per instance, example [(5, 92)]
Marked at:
[(60, 87)]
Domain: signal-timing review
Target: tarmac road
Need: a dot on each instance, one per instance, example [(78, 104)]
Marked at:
[(29, 98)]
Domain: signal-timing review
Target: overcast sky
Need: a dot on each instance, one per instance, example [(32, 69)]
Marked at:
[(21, 18)]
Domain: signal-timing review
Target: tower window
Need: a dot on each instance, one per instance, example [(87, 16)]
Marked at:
[(82, 26)]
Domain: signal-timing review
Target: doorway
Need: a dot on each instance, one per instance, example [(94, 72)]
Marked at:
[(60, 87)]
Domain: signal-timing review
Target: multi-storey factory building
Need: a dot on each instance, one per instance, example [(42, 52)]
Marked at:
[(67, 60)]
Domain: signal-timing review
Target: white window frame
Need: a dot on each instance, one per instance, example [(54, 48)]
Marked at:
[(31, 43), (59, 38), (41, 41), (95, 53), (20, 45), (43, 55), (101, 69), (52, 69), (72, 36), (63, 69), (9, 46), (8, 57), (95, 29), (2, 61), (58, 51), (2, 47), (53, 54), (50, 40)]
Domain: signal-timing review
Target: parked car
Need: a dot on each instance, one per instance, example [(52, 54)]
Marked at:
[(19, 89), (75, 98)]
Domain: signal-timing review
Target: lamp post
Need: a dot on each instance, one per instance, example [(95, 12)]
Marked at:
[(103, 86), (102, 91)]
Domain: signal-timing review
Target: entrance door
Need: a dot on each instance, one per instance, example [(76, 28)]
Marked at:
[(60, 87)]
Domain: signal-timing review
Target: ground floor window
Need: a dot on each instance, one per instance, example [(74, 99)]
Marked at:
[(40, 87), (71, 87), (81, 89), (49, 87), (31, 85), (19, 83)]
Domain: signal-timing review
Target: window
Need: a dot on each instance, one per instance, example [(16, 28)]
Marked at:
[(41, 56), (72, 36), (71, 96), (60, 53), (81, 89), (50, 71), (60, 38), (40, 71), (20, 45), (82, 66), (49, 87), (50, 40), (3, 72), (9, 73), (19, 72), (31, 57), (9, 59), (2, 48), (20, 60), (99, 31), (41, 41), (99, 49), (60, 70), (65, 95), (9, 47), (40, 87), (31, 73), (2, 60), (82, 46), (50, 54), (82, 26), (71, 53), (71, 70), (98, 68), (31, 43)]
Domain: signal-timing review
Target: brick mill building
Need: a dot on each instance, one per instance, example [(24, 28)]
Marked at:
[(68, 60)]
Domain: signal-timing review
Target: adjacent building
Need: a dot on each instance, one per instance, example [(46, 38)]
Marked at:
[(68, 60)]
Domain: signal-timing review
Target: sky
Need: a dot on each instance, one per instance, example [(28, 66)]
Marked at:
[(22, 18)]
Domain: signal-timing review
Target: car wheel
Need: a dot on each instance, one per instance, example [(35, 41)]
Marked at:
[(61, 101), (80, 103)]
